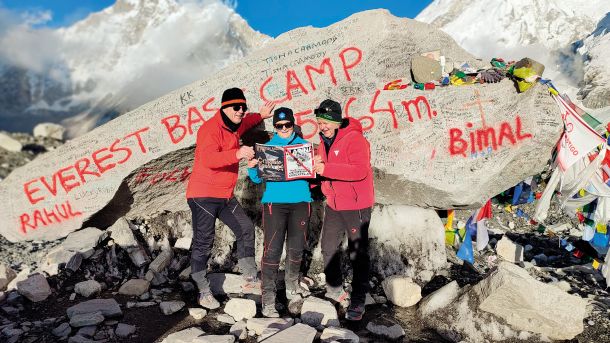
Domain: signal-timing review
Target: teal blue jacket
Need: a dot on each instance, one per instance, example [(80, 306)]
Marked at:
[(283, 191)]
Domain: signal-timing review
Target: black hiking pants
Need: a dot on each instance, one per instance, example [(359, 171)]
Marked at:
[(354, 223), (229, 211), (283, 222)]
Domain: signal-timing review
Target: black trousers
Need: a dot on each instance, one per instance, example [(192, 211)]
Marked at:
[(355, 223), (229, 211), (283, 222)]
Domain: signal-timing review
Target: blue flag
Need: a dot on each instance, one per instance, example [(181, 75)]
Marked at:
[(465, 252)]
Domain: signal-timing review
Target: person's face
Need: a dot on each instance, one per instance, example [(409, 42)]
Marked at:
[(236, 113), (284, 128), (327, 128)]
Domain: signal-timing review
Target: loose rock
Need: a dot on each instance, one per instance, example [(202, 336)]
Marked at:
[(385, 328), (87, 288), (134, 287), (124, 330), (170, 307), (338, 334), (240, 308), (35, 288), (509, 251), (401, 290), (316, 311)]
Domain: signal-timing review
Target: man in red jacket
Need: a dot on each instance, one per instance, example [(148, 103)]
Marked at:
[(344, 162), (210, 189)]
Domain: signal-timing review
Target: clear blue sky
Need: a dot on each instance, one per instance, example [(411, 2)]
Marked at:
[(270, 17)]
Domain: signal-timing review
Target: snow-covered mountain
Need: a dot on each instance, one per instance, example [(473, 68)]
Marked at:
[(114, 60), (596, 50), (545, 30)]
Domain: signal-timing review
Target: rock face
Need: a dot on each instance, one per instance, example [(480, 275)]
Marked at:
[(421, 144), (508, 301), (404, 233)]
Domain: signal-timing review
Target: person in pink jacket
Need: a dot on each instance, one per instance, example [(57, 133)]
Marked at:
[(344, 163)]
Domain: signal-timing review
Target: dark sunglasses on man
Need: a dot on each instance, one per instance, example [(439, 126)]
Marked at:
[(238, 106), (287, 125)]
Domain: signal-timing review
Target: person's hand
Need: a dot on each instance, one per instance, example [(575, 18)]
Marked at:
[(245, 152), (266, 110), (318, 168), (252, 163), (317, 159)]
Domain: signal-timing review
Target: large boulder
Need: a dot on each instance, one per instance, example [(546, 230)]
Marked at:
[(6, 276), (507, 304), (428, 148)]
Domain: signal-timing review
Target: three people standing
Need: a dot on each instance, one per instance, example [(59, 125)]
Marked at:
[(342, 161)]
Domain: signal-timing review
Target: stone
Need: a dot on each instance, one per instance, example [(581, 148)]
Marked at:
[(401, 233), (171, 307), (49, 130), (225, 283), (124, 330), (385, 328), (258, 325), (505, 303), (509, 251), (86, 319), (56, 258), (425, 69), (63, 330), (338, 334), (240, 308), (316, 311), (184, 336), (239, 330), (21, 276), (426, 161), (6, 276), (183, 243), (88, 288), (135, 287), (297, 333), (123, 236), (440, 298), (225, 318), (2, 297), (79, 339), (215, 339), (197, 313), (8, 143), (35, 288), (107, 307), (401, 290), (161, 261), (563, 285), (87, 331), (84, 241)]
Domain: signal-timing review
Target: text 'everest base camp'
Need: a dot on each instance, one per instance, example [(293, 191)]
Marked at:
[(109, 208)]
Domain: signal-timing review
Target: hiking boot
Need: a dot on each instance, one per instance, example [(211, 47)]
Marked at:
[(208, 301), (297, 292), (354, 312), (269, 311), (337, 294)]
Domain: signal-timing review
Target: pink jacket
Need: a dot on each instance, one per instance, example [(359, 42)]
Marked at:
[(348, 176)]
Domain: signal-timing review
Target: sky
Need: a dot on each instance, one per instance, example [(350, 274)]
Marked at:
[(271, 17)]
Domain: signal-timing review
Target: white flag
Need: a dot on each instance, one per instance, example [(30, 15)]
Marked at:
[(578, 138)]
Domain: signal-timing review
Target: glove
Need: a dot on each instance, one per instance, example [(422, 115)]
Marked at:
[(491, 75)]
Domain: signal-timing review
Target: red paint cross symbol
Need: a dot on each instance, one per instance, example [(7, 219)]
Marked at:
[(479, 103)]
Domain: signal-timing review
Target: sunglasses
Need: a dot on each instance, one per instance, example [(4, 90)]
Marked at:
[(287, 125), (322, 110), (237, 107)]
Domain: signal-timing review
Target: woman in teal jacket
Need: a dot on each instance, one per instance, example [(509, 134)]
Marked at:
[(286, 211)]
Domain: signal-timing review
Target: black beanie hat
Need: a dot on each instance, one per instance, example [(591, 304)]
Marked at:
[(232, 96), (283, 113), (329, 110)]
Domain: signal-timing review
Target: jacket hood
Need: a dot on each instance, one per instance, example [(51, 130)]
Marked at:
[(348, 125)]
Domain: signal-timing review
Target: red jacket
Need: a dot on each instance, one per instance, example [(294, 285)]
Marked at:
[(215, 167), (348, 183)]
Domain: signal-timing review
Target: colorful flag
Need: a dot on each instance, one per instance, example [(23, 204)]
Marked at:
[(578, 138), (465, 252)]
